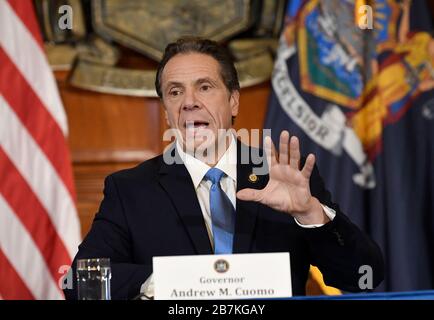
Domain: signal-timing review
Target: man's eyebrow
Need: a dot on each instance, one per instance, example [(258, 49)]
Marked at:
[(173, 84), (206, 79), (199, 81)]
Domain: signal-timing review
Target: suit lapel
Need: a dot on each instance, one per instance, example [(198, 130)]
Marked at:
[(176, 181), (247, 211)]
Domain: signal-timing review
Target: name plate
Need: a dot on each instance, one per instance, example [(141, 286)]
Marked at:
[(233, 276)]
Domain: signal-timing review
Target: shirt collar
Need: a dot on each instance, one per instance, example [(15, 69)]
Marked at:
[(197, 169)]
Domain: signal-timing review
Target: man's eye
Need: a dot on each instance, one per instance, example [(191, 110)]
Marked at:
[(205, 87), (175, 93)]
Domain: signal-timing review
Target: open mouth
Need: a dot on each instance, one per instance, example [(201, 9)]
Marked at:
[(196, 124)]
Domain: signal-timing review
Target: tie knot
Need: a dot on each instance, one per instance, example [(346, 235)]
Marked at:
[(214, 175)]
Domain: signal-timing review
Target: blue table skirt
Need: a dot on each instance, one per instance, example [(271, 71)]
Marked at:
[(407, 295)]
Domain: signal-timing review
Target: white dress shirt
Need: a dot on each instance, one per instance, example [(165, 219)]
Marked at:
[(197, 170)]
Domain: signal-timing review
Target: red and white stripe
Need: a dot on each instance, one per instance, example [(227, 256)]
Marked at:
[(39, 226)]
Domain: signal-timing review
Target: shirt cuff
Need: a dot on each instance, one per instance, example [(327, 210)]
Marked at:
[(330, 213), (147, 289)]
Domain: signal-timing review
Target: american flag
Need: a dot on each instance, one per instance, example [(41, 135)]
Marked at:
[(39, 226)]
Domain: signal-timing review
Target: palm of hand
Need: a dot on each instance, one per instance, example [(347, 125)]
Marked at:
[(288, 187)]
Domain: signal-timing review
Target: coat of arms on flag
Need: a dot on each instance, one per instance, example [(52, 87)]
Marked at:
[(369, 78)]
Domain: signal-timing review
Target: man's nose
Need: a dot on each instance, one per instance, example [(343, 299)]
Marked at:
[(190, 101)]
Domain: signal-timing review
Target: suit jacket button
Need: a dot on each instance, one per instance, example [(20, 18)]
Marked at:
[(339, 238)]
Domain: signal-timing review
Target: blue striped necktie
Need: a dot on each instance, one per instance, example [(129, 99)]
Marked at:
[(222, 214)]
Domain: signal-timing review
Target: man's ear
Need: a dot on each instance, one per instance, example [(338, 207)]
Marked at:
[(234, 101)]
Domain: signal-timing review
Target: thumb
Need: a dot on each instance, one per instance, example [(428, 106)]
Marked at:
[(249, 194)]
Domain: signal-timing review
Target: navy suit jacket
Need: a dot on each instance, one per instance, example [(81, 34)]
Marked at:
[(152, 210)]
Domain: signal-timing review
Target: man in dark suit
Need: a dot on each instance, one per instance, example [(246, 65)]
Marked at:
[(202, 197)]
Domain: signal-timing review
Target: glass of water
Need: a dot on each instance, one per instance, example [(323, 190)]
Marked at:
[(93, 279)]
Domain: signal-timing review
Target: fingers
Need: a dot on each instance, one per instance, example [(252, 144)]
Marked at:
[(249, 194), (308, 166), (283, 147), (270, 152), (294, 153)]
